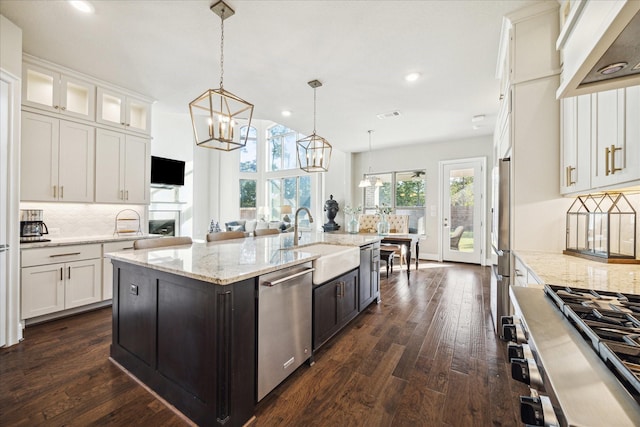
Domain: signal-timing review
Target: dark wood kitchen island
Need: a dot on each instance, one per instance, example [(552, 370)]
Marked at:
[(185, 320)]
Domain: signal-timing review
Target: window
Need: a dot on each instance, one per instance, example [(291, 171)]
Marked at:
[(248, 198), (293, 191), (282, 148), (402, 191), (249, 153), (248, 170)]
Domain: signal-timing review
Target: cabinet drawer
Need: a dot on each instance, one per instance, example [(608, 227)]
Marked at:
[(42, 256), (122, 245)]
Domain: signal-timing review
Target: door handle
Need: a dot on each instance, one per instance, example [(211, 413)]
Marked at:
[(284, 279)]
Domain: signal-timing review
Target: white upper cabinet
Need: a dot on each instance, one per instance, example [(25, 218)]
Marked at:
[(57, 160), (117, 109), (47, 89), (575, 173), (122, 168), (616, 137)]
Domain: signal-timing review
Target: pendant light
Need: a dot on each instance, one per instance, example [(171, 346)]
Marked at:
[(366, 182), (217, 115), (314, 152)]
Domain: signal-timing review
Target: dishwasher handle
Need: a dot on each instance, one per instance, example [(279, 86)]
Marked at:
[(287, 278)]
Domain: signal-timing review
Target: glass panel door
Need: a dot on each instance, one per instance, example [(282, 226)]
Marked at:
[(462, 231)]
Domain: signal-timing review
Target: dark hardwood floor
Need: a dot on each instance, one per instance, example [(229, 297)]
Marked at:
[(426, 355)]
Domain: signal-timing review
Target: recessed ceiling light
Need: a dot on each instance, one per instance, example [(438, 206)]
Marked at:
[(82, 6), (286, 113), (388, 115), (412, 77)]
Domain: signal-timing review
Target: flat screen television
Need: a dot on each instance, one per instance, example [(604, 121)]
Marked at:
[(167, 171)]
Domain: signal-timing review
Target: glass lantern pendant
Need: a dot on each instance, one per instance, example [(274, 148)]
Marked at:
[(217, 115), (314, 152)]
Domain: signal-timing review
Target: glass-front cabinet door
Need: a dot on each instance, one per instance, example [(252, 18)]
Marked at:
[(117, 109), (49, 90)]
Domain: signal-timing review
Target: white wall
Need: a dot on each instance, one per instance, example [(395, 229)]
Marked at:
[(426, 156), (173, 138), (10, 47), (336, 182)]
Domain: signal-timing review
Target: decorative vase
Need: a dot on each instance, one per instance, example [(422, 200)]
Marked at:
[(353, 227), (383, 226)]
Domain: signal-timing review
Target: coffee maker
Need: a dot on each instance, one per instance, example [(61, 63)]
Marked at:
[(32, 228)]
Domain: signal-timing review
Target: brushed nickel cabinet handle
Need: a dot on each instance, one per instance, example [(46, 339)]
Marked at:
[(613, 150), (606, 161), (69, 273), (570, 170), (68, 254), (55, 191), (61, 278), (126, 194), (62, 191)]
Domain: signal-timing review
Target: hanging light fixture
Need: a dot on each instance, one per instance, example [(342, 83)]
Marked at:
[(314, 152), (366, 182), (217, 114)]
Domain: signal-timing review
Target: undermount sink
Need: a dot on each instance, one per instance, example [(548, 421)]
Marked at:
[(334, 260)]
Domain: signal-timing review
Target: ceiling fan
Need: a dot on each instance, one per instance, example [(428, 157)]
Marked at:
[(417, 176)]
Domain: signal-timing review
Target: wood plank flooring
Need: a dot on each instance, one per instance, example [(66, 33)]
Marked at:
[(425, 356)]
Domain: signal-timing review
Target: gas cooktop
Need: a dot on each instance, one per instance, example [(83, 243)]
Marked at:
[(610, 322)]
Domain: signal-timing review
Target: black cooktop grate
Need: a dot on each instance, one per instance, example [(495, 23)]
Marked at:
[(610, 321)]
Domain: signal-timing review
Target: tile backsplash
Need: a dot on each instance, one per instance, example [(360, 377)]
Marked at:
[(81, 220)]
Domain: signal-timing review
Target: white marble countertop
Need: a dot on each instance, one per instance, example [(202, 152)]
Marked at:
[(228, 261), (559, 269), (84, 240)]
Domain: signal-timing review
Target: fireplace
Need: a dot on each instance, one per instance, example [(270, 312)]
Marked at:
[(165, 227)]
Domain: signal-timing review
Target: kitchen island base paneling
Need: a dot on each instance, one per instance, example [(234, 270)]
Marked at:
[(191, 342)]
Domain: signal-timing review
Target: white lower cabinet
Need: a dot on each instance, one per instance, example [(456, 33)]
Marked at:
[(107, 267), (42, 290), (60, 278)]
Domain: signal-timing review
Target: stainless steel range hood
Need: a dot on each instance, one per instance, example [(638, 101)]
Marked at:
[(601, 47)]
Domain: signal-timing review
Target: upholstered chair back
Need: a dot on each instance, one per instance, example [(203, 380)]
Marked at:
[(397, 223)]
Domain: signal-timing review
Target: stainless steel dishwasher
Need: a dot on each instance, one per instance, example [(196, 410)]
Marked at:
[(284, 324)]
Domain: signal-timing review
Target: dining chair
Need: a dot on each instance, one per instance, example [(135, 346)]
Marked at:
[(225, 235), (266, 231), (161, 242)]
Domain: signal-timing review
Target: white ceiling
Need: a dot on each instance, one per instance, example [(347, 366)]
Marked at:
[(359, 50)]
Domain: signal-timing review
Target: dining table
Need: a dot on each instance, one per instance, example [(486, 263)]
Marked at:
[(406, 240)]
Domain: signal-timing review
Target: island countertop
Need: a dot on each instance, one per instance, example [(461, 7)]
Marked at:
[(228, 261), (558, 269)]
